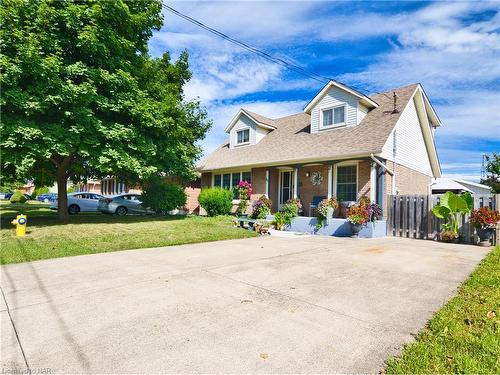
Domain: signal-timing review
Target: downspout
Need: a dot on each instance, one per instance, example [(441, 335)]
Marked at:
[(382, 165)]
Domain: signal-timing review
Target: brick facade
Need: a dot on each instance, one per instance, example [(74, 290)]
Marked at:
[(192, 191), (364, 183), (206, 179), (307, 191), (408, 181)]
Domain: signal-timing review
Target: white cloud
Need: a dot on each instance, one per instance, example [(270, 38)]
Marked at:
[(227, 76), (446, 46)]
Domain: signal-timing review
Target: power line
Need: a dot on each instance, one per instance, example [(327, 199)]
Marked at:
[(273, 59), (247, 47)]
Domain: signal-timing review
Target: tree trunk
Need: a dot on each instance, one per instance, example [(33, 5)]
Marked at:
[(62, 192)]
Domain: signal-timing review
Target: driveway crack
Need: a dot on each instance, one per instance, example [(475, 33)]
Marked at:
[(15, 331), (336, 312)]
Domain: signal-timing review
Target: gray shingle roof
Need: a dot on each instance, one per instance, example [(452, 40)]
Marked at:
[(292, 140), (259, 118)]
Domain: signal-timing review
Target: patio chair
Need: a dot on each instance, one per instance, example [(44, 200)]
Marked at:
[(315, 201)]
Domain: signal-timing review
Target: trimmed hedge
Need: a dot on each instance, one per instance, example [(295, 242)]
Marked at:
[(216, 201), (163, 197), (18, 197)]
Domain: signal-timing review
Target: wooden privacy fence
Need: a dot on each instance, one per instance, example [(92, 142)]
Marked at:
[(411, 216)]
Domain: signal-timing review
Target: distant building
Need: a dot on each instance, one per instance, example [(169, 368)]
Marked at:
[(442, 185)]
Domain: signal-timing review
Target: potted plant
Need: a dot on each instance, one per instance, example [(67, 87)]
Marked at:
[(325, 211), (450, 209), (485, 221), (357, 216), (279, 221), (261, 208)]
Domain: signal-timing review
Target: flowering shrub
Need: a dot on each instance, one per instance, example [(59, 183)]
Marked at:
[(323, 208), (261, 208), (358, 214), (244, 190), (484, 218), (374, 211), (364, 201)]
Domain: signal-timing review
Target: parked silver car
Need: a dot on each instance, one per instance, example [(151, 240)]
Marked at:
[(123, 204), (80, 202)]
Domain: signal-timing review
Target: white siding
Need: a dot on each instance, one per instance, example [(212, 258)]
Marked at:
[(260, 134), (245, 122), (474, 188), (411, 151), (362, 111), (333, 98)]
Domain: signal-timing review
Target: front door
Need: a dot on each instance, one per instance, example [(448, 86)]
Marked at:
[(286, 186)]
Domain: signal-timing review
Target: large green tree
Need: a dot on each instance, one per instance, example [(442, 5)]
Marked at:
[(81, 97), (492, 178)]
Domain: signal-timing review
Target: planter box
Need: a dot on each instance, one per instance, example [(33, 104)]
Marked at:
[(334, 227)]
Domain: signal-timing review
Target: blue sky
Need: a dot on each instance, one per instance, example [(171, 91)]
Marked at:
[(452, 48)]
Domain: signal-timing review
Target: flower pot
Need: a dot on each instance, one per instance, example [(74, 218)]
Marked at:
[(355, 229), (484, 235)]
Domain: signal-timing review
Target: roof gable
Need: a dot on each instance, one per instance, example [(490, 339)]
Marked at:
[(365, 100), (259, 120)]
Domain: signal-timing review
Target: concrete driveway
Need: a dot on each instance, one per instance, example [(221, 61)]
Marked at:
[(260, 305)]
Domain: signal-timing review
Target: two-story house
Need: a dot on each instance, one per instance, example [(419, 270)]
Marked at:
[(343, 145)]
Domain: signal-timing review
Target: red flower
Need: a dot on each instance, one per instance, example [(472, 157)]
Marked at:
[(484, 217)]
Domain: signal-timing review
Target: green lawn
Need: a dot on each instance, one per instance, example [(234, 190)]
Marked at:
[(464, 336), (98, 233)]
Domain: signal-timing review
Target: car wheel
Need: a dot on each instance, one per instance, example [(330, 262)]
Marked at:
[(121, 211), (73, 209)]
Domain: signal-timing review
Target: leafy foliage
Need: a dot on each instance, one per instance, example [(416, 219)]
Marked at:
[(450, 209), (216, 201), (492, 172), (261, 208), (244, 190), (325, 208), (287, 213), (484, 218), (39, 191), (18, 197), (163, 197), (358, 214), (82, 98), (280, 220)]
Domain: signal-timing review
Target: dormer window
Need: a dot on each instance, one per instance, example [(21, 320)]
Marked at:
[(331, 117), (243, 136)]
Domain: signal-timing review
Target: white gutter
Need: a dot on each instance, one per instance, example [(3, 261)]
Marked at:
[(382, 165)]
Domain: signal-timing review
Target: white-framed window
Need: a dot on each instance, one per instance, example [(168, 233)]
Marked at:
[(346, 183), (230, 180), (334, 116), (242, 136)]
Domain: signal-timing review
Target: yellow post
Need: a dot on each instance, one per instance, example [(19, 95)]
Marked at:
[(20, 222)]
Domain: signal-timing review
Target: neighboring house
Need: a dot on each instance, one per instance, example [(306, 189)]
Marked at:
[(343, 145), (442, 185), (110, 186)]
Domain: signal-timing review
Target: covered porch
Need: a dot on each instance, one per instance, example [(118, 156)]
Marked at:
[(344, 180)]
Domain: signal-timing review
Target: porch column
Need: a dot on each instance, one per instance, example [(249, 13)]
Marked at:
[(373, 182), (295, 182), (330, 180), (267, 183)]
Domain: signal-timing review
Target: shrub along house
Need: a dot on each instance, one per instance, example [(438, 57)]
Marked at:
[(343, 145)]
